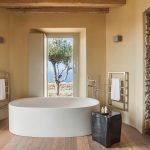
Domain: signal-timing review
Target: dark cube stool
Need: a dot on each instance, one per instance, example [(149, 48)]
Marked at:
[(106, 129)]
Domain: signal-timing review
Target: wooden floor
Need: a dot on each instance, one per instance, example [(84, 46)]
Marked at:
[(130, 140)]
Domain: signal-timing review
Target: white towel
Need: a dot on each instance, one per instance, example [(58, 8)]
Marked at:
[(115, 89), (2, 89)]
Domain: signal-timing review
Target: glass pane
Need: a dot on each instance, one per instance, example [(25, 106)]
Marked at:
[(60, 66)]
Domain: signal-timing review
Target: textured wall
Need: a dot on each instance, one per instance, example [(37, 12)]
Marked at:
[(147, 74)]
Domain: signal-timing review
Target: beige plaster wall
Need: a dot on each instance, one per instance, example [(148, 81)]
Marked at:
[(20, 25), (4, 47), (128, 54), (124, 56)]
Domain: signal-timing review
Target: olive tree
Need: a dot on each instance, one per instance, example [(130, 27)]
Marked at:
[(60, 52)]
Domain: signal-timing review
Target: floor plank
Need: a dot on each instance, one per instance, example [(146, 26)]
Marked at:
[(131, 139)]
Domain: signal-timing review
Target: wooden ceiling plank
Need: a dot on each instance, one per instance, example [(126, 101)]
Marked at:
[(62, 10), (61, 3)]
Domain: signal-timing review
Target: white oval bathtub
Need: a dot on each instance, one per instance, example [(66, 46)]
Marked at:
[(51, 117)]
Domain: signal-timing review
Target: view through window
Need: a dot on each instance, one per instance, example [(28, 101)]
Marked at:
[(60, 66)]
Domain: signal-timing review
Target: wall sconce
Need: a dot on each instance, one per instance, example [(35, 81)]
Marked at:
[(1, 40), (117, 38)]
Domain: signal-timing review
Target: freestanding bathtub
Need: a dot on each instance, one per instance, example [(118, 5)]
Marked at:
[(51, 117)]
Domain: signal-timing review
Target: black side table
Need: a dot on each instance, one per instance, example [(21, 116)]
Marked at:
[(106, 129)]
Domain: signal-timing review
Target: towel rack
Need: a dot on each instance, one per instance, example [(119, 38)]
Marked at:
[(123, 104), (5, 75), (93, 85)]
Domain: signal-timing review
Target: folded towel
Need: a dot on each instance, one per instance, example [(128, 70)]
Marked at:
[(2, 89), (115, 89)]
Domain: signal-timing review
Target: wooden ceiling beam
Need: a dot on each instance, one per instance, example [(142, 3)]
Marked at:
[(62, 9), (61, 3)]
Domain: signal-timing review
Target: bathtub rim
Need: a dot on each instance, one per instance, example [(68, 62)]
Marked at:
[(97, 103)]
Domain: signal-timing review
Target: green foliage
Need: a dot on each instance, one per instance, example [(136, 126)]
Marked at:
[(59, 51)]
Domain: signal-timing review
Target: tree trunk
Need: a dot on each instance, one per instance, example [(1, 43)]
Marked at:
[(57, 88), (56, 79)]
